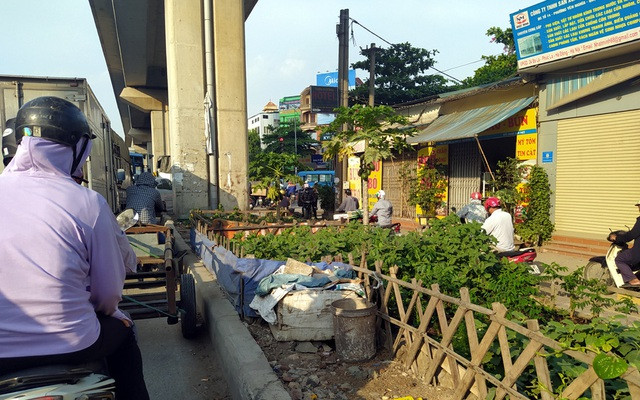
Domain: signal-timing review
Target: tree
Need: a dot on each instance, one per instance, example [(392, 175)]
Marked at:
[(274, 166), (428, 187), (254, 144), (537, 226), (400, 75), (284, 140), (383, 131), (496, 68), (271, 169)]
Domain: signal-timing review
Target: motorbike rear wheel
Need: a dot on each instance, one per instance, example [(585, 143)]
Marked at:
[(595, 270)]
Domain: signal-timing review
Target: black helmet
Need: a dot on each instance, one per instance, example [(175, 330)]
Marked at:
[(54, 119), (347, 192)]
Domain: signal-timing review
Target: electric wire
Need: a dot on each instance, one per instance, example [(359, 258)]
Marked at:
[(391, 44)]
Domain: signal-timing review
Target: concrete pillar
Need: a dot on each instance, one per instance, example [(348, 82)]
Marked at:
[(159, 136), (185, 82), (231, 103)]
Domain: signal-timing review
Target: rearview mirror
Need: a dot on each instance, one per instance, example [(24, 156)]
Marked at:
[(127, 219)]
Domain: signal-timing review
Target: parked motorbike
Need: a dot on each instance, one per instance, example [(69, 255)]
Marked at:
[(395, 228), (86, 381), (373, 219), (523, 255), (58, 382), (604, 268)]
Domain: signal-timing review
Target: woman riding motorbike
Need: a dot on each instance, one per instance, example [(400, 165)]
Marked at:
[(63, 258)]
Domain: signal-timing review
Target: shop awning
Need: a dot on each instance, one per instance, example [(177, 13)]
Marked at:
[(466, 124), (604, 81)]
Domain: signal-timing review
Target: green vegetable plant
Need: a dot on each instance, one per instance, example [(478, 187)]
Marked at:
[(537, 227), (428, 188), (456, 255), (505, 183)]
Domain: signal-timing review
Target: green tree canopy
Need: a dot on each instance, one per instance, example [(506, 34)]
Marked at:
[(273, 166), (297, 142), (380, 126), (400, 75), (254, 144), (497, 67)]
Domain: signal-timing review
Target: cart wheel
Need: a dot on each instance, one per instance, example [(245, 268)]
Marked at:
[(595, 270), (187, 306)]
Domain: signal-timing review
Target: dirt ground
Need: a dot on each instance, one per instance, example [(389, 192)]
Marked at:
[(311, 370)]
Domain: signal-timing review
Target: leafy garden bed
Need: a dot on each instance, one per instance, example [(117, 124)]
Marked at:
[(455, 255)]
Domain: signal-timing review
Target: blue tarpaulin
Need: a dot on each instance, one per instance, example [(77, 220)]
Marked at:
[(239, 277)]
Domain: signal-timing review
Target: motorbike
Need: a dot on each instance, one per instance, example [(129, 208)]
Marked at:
[(523, 255), (395, 228), (373, 219), (604, 268), (58, 382), (86, 381)]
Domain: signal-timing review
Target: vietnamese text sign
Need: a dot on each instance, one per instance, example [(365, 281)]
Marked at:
[(374, 183), (353, 179), (527, 146), (521, 122), (558, 29)]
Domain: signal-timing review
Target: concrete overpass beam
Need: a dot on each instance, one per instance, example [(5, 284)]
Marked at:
[(185, 82), (159, 136), (144, 99), (231, 102)]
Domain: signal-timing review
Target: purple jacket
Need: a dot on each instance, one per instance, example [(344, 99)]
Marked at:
[(62, 255)]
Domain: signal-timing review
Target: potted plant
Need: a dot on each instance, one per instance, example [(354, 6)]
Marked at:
[(427, 190)]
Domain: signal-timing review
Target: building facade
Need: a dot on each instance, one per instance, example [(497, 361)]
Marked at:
[(264, 122)]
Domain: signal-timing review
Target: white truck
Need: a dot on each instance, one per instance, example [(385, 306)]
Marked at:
[(108, 170)]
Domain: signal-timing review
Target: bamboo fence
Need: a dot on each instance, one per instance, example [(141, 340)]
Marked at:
[(422, 335), (218, 228)]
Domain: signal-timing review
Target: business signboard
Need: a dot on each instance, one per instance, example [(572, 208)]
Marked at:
[(560, 29), (323, 99), (331, 79), (290, 103)]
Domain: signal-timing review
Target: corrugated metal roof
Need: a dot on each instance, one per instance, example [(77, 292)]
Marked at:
[(592, 83), (466, 124)]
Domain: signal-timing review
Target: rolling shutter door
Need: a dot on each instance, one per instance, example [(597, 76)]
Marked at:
[(392, 183), (598, 173), (465, 168)]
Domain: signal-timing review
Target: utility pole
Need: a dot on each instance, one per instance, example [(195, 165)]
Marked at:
[(342, 30), (371, 53)]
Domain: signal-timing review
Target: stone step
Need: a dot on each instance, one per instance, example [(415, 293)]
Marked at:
[(578, 253), (579, 247)]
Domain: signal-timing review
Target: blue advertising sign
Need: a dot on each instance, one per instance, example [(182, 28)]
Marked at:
[(547, 157), (316, 158), (559, 29), (331, 79)]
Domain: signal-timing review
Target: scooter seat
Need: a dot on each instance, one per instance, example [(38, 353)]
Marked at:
[(515, 253), (53, 373)]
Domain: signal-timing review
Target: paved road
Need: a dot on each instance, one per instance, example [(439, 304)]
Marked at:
[(571, 262), (176, 368)]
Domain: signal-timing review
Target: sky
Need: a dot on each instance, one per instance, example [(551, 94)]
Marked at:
[(287, 41)]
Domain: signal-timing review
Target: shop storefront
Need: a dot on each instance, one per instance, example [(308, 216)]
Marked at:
[(478, 139)]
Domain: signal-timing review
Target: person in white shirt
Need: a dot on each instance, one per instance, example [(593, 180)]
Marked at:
[(499, 225)]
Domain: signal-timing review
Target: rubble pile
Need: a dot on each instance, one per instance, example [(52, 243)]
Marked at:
[(311, 370)]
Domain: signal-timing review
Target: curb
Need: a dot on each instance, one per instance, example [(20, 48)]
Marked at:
[(244, 366)]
